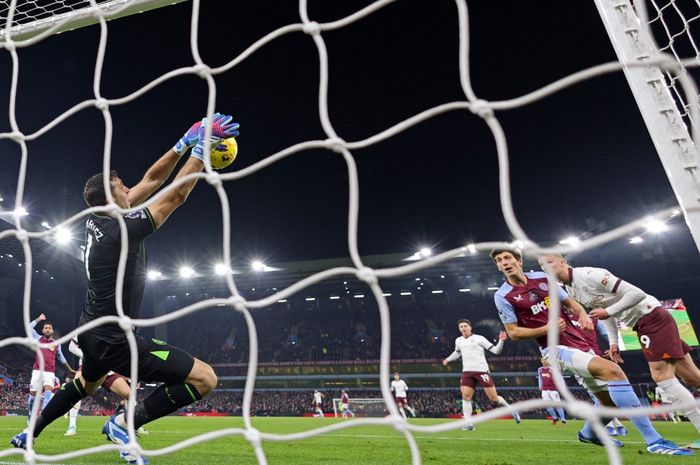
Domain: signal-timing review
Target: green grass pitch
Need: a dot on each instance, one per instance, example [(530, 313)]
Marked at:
[(499, 442)]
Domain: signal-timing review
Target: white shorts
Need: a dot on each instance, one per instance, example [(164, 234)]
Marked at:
[(575, 362), (550, 395), (38, 381)]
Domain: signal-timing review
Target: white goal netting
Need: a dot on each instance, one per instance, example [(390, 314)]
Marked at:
[(683, 173)]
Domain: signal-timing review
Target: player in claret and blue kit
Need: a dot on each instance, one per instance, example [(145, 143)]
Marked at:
[(523, 306)]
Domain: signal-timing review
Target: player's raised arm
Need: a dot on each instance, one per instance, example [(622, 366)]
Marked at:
[(33, 324), (498, 348), (161, 170), (162, 208)]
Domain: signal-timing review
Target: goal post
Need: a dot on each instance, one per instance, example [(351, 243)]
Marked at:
[(361, 406), (30, 20), (664, 115)]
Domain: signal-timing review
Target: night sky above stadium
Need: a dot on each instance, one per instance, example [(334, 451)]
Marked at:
[(581, 160)]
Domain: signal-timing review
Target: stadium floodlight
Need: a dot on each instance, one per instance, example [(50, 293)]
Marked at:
[(492, 288), (334, 297), (154, 274), (310, 299), (186, 272), (359, 296), (21, 211), (1, 198), (636, 240), (281, 301), (405, 293), (571, 240), (221, 269), (472, 249), (386, 294), (465, 290), (63, 236), (257, 265), (656, 226), (425, 252), (45, 225), (437, 291)]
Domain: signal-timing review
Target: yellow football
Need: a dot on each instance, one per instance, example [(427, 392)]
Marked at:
[(223, 153)]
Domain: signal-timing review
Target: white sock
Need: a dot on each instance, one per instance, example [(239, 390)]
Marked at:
[(73, 415), (403, 412), (466, 408), (502, 402), (616, 423), (680, 394)]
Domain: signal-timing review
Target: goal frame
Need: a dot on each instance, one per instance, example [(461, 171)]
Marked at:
[(633, 44), (82, 17)]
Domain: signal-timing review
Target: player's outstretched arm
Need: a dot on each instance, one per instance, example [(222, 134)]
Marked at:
[(166, 205), (516, 332), (160, 171), (162, 208)]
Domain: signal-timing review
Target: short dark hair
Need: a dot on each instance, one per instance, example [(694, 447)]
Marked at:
[(94, 191), (46, 322), (464, 320), (513, 250)]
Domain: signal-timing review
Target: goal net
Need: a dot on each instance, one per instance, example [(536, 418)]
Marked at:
[(361, 407), (662, 86)]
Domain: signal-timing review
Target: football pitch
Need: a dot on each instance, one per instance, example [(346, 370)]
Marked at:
[(499, 442)]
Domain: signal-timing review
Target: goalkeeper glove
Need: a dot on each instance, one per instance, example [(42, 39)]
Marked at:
[(221, 128)]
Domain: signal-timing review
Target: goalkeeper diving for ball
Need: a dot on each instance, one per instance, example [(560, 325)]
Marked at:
[(185, 379)]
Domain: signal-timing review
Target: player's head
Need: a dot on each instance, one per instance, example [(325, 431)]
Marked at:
[(544, 361), (94, 192), (397, 376), (47, 329), (555, 265), (509, 260), (465, 327)]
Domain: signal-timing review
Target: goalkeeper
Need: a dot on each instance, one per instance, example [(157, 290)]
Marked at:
[(105, 348)]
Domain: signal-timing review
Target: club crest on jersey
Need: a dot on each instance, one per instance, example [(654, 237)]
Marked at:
[(543, 286), (518, 298)]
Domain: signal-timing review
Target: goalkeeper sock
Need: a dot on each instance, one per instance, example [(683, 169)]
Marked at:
[(623, 395), (66, 397), (163, 401), (680, 394), (466, 408)]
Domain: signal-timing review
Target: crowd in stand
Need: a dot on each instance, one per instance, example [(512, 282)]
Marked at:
[(344, 329), (428, 403)]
